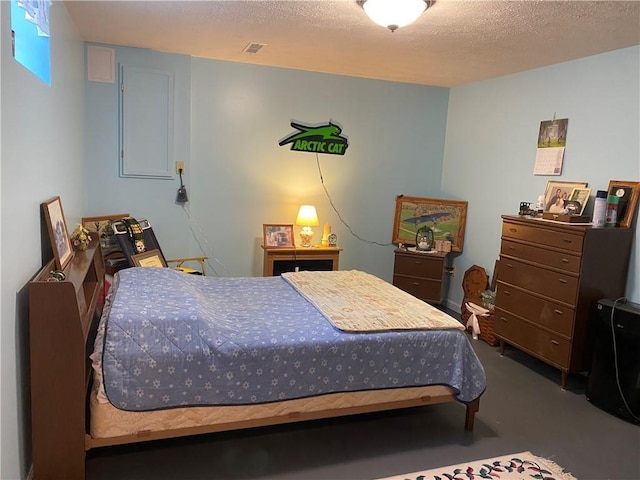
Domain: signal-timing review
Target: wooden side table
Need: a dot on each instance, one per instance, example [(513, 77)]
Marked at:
[(423, 275), (290, 259)]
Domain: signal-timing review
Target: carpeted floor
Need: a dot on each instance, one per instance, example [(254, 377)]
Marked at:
[(523, 409)]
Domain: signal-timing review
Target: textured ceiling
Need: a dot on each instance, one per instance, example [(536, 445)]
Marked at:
[(453, 43)]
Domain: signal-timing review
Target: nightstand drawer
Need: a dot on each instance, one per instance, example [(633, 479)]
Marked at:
[(540, 343), (419, 265), (559, 286), (542, 236), (422, 288), (551, 315), (552, 258)]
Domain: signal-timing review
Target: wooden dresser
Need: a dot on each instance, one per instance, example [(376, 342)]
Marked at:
[(550, 278), (423, 275)]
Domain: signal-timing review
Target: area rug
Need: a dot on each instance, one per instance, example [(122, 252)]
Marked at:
[(515, 466)]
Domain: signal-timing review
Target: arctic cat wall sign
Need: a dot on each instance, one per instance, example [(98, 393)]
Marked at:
[(317, 139)]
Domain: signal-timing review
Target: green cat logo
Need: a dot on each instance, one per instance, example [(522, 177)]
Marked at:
[(317, 139)]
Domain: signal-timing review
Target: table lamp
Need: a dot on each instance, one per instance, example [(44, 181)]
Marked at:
[(307, 217)]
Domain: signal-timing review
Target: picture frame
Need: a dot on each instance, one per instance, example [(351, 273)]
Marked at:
[(580, 195), (58, 233), (627, 193), (559, 190), (278, 236), (101, 226), (447, 218), (150, 258)]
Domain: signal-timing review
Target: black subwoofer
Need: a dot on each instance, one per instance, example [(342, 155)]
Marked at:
[(614, 379)]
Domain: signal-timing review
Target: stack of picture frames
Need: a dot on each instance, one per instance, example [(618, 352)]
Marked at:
[(560, 195)]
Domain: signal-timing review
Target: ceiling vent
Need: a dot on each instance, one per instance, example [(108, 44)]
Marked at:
[(254, 47)]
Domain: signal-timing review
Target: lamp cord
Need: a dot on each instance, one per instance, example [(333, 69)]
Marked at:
[(193, 223), (338, 213), (615, 356)]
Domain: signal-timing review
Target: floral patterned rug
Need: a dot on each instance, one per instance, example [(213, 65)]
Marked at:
[(515, 466)]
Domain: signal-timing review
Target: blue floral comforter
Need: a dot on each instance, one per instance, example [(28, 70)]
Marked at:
[(175, 340)]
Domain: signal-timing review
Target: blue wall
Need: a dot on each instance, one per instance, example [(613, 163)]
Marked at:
[(42, 156), (239, 178), (492, 134)]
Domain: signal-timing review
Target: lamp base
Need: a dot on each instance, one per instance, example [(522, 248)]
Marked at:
[(306, 235)]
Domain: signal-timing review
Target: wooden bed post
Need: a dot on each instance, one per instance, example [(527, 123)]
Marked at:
[(470, 416)]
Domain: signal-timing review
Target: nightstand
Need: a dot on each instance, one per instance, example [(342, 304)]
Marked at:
[(289, 259), (423, 275)]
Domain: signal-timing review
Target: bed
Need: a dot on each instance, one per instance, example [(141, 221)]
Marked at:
[(172, 355)]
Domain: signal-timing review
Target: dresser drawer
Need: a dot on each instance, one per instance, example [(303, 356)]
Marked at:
[(422, 288), (551, 315), (552, 238), (552, 258), (421, 265), (521, 334), (559, 286)]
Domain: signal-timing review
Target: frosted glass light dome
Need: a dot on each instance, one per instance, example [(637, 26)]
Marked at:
[(394, 14)]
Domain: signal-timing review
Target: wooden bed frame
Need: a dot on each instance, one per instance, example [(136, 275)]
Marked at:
[(63, 319)]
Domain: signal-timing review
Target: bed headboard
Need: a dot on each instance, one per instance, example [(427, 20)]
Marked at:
[(63, 318)]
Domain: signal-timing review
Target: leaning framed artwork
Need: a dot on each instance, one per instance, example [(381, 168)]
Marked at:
[(557, 193), (278, 236), (150, 258), (627, 193), (445, 217), (58, 233)]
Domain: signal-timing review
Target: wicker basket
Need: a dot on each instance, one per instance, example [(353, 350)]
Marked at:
[(486, 329)]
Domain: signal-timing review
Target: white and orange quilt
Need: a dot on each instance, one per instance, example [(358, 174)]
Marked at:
[(356, 301)]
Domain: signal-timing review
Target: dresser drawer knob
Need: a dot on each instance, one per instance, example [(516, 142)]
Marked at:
[(513, 230), (555, 342), (504, 319), (510, 265), (558, 312), (564, 260), (416, 283), (506, 292), (562, 280), (567, 240)]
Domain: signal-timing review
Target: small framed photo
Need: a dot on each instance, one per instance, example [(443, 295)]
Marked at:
[(557, 193), (580, 195), (627, 193), (150, 258), (58, 233), (278, 236)]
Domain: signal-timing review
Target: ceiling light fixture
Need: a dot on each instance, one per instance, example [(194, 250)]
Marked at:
[(394, 14)]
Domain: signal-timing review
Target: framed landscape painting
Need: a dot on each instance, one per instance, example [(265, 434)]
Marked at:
[(445, 217)]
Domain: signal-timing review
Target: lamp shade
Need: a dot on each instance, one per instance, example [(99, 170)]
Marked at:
[(307, 216), (394, 13)]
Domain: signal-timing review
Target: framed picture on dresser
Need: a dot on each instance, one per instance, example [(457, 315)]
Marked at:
[(557, 193), (627, 193)]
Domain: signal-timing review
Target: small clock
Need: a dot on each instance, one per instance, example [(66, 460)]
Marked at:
[(332, 239)]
